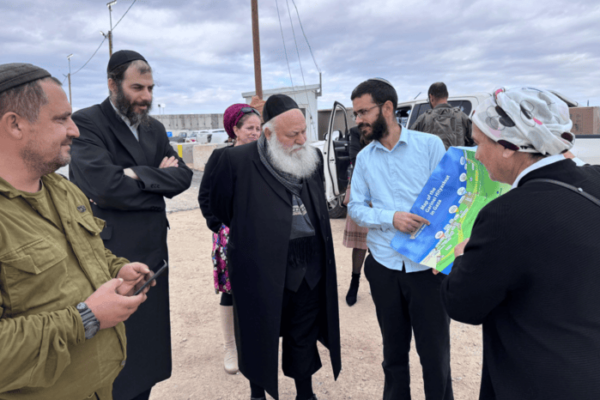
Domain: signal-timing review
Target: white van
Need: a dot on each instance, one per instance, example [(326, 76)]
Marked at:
[(337, 159)]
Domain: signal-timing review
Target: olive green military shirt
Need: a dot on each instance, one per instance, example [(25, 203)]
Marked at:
[(52, 258)]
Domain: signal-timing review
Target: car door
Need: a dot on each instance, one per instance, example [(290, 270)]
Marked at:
[(338, 146)]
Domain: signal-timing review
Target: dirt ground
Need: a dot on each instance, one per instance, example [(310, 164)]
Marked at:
[(197, 340)]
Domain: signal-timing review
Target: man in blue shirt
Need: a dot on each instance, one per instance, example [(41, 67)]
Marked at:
[(388, 176)]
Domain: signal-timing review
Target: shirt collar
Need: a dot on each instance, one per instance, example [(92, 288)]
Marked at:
[(11, 192), (124, 118), (537, 165), (404, 138)]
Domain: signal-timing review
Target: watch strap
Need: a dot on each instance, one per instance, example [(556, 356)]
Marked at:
[(90, 322)]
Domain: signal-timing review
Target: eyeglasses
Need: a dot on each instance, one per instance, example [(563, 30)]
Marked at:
[(361, 114), (247, 110)]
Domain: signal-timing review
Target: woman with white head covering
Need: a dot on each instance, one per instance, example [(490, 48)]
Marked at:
[(529, 274)]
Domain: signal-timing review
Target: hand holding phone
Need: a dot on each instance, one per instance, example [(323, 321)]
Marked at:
[(156, 275)]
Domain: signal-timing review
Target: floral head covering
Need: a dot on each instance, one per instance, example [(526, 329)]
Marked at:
[(526, 119)]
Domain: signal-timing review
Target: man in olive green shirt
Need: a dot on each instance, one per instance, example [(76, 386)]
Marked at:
[(63, 296)]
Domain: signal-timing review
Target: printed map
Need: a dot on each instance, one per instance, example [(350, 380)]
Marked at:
[(458, 188)]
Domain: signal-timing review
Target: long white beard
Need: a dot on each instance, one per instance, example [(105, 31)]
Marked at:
[(301, 163)]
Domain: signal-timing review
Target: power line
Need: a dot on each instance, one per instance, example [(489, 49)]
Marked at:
[(284, 48), (124, 15), (90, 59), (305, 38), (300, 62), (103, 40), (296, 43)]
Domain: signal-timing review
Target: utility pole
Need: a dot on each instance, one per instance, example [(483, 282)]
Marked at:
[(70, 98), (110, 43), (256, 45)]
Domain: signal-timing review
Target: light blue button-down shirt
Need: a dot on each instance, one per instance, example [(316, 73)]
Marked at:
[(391, 181)]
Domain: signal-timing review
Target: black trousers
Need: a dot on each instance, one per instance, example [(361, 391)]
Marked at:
[(407, 302), (300, 331)]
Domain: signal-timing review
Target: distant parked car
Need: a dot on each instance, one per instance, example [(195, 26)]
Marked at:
[(218, 136), (177, 139)]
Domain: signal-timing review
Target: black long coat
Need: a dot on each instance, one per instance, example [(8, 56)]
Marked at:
[(136, 225), (530, 275), (258, 211)]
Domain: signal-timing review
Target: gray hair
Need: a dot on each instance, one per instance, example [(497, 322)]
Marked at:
[(26, 100), (270, 125)]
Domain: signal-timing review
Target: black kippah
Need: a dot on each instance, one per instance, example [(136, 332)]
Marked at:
[(17, 74), (123, 57), (278, 104)]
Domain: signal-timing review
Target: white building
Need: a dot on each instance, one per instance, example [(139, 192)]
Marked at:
[(306, 97)]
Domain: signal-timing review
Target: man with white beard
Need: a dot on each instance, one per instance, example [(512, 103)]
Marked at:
[(280, 252)]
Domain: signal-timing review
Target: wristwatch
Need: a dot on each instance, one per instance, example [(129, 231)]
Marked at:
[(90, 323)]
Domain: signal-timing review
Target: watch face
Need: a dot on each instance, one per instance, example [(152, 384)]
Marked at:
[(81, 306)]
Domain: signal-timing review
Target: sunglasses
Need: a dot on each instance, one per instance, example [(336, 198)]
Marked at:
[(247, 110)]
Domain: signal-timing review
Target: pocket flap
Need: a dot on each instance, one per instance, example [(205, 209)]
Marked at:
[(91, 224), (36, 257)]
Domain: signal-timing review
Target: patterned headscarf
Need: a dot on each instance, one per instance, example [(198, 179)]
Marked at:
[(526, 119)]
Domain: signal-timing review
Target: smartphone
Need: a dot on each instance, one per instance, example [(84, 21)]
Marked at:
[(156, 275)]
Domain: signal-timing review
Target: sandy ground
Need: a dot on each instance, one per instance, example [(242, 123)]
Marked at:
[(197, 339)]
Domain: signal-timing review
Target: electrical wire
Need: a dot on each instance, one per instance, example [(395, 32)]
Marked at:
[(305, 38), (301, 69), (90, 59), (124, 15), (284, 48), (103, 40), (296, 43)]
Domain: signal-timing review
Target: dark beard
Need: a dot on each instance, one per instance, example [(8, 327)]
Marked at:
[(126, 108), (378, 127)]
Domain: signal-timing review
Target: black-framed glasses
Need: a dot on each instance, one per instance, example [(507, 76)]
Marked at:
[(361, 114), (247, 110)]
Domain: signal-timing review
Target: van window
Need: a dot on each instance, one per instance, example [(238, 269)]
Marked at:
[(464, 105), (402, 115)]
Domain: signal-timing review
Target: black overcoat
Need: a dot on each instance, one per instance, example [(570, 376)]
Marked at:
[(136, 224), (212, 222), (530, 275), (258, 211)]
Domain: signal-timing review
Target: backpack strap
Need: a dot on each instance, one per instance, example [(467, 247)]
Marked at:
[(570, 187)]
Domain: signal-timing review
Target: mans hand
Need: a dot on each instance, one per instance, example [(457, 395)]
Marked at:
[(435, 271), (460, 248), (168, 162), (407, 222), (131, 173), (109, 307), (134, 276)]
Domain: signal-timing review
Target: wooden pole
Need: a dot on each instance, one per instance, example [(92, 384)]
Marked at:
[(256, 45), (110, 43)]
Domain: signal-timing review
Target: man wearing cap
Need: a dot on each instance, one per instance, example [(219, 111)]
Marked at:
[(61, 308), (389, 175), (529, 273), (125, 165), (449, 123), (280, 252)]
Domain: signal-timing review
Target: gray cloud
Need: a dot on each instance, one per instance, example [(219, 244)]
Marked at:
[(201, 51)]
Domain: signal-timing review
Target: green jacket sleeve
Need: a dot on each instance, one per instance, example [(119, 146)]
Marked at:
[(114, 263), (34, 350)]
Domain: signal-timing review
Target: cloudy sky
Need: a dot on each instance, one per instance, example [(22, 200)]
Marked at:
[(201, 51)]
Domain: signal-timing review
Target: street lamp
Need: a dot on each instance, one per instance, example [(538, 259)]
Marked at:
[(110, 45), (70, 99)]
